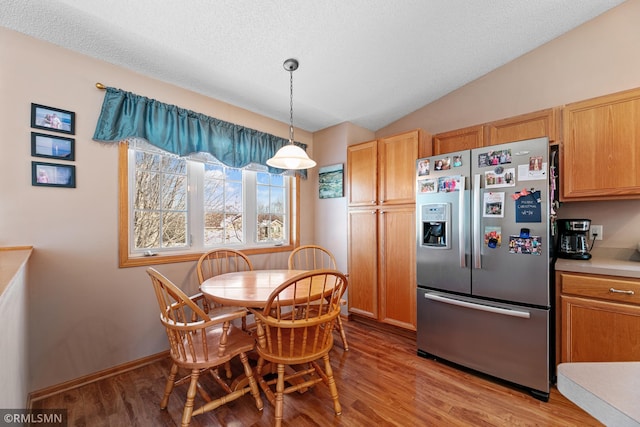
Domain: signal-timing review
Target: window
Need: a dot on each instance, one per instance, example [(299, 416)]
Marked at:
[(178, 208)]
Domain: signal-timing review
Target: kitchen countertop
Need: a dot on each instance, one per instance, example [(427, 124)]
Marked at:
[(607, 261), (609, 391)]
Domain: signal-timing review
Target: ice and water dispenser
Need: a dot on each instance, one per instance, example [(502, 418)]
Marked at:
[(436, 225)]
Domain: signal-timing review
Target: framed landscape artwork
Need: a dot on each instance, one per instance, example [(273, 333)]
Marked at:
[(331, 181), (52, 147)]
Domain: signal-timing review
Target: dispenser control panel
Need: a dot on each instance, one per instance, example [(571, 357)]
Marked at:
[(436, 225)]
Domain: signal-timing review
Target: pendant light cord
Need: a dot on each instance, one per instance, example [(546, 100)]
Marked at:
[(291, 106)]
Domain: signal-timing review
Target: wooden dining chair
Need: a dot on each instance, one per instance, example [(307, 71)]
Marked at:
[(220, 261), (314, 257), (201, 343), (311, 257), (290, 333)]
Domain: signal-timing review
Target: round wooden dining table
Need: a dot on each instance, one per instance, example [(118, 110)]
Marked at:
[(253, 288)]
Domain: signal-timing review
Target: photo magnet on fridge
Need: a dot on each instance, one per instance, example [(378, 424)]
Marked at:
[(531, 245), (493, 236)]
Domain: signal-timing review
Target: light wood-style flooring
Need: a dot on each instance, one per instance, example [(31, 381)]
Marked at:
[(381, 381)]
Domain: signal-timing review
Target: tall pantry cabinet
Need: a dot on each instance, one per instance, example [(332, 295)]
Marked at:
[(381, 227)]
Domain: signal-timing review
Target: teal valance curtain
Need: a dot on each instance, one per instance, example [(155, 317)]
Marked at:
[(184, 132)]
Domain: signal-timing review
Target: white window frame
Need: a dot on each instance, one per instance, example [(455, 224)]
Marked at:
[(129, 256)]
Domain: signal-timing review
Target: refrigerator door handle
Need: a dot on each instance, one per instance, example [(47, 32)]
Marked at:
[(461, 221), (481, 307), (477, 262)]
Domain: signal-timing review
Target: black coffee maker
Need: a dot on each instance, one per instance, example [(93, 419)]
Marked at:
[(573, 238)]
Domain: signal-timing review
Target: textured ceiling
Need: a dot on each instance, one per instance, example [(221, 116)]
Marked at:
[(368, 62)]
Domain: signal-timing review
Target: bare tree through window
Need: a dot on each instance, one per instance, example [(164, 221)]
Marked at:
[(223, 201), (160, 207)]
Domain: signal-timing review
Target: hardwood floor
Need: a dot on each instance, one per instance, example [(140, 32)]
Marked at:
[(381, 382)]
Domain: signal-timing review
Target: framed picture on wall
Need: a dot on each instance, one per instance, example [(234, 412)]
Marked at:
[(53, 175), (53, 119), (52, 147), (331, 181)]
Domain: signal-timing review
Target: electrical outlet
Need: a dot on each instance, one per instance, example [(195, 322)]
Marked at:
[(596, 229)]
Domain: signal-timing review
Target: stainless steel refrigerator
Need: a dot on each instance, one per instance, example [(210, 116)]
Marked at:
[(483, 261)]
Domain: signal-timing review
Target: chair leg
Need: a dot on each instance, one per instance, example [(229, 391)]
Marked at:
[(168, 388), (253, 385), (263, 384), (331, 383), (342, 334), (191, 394), (279, 395)]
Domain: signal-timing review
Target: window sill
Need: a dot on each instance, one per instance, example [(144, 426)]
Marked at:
[(142, 260)]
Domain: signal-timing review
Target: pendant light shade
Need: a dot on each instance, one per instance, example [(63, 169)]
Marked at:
[(291, 156)]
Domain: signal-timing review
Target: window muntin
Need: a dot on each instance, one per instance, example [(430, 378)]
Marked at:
[(186, 205)]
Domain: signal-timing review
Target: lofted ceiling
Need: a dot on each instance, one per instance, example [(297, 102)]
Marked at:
[(368, 62)]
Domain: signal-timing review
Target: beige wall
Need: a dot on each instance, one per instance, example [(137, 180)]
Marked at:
[(597, 58), (85, 313)]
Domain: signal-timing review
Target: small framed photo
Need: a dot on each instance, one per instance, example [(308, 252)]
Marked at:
[(53, 119), (53, 175), (52, 147)]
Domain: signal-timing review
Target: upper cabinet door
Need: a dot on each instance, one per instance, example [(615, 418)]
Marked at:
[(397, 167), (601, 149), (526, 126), (458, 140), (362, 173)]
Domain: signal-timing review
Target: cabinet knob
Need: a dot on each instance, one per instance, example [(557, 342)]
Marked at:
[(618, 291)]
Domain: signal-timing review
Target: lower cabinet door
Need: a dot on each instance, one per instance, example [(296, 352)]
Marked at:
[(599, 331), (397, 261), (363, 262)]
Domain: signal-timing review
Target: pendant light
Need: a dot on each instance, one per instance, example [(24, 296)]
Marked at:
[(291, 156)]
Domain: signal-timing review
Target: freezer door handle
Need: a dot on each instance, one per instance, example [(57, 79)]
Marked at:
[(477, 262), (461, 220), (481, 307)]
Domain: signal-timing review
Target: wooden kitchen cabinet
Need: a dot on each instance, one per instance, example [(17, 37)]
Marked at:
[(397, 266), (383, 171), (599, 318), (397, 157), (525, 126), (382, 278), (362, 239), (362, 174), (458, 140), (601, 148), (381, 228)]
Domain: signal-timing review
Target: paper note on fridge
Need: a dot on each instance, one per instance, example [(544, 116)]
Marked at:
[(526, 173)]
